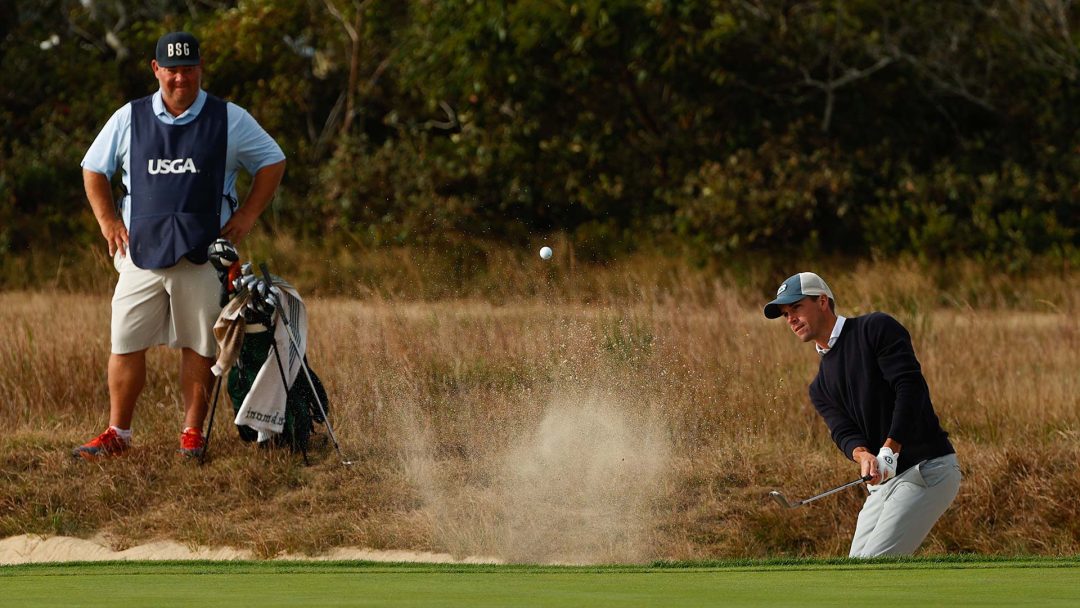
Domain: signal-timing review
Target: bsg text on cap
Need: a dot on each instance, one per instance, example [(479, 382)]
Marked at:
[(177, 49)]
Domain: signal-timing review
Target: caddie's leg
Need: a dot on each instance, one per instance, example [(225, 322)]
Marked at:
[(194, 293), (196, 382), (140, 308), (127, 377), (910, 505)]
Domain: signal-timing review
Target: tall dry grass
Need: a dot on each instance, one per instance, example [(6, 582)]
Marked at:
[(645, 416)]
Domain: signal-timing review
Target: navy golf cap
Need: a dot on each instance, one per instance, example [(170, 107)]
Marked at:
[(797, 287), (177, 49)]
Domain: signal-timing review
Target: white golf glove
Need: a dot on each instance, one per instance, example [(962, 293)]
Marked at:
[(886, 464)]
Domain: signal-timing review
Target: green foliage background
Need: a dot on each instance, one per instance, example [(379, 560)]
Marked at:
[(714, 127)]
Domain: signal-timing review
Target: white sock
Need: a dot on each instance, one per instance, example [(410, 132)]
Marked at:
[(124, 434)]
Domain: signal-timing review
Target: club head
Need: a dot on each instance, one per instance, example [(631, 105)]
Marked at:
[(779, 498)]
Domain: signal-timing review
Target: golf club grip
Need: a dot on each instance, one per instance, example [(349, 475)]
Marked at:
[(265, 272)]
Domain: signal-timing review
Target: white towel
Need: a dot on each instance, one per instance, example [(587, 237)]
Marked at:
[(263, 408)]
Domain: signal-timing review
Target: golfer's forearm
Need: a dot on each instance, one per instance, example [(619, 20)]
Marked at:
[(890, 443), (263, 187), (99, 193)]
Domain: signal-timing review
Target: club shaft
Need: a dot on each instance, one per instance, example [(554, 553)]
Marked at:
[(210, 426), (833, 491), (281, 368), (303, 366)]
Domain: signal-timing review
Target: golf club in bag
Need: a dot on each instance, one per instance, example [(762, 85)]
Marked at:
[(787, 504), (226, 261), (248, 368), (303, 364)]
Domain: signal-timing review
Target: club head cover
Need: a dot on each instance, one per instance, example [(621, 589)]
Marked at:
[(223, 254)]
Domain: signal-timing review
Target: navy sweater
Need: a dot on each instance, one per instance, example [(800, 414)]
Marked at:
[(870, 387)]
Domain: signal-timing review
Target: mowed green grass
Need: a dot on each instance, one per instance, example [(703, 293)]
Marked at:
[(918, 582)]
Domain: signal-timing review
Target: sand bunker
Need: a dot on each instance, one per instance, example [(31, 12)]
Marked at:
[(27, 549)]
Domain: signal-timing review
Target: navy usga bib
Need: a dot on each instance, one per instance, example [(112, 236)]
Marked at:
[(177, 184)]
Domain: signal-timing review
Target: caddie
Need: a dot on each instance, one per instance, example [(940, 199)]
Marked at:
[(872, 395), (179, 151)]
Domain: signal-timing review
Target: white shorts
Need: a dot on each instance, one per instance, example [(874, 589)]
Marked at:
[(176, 306)]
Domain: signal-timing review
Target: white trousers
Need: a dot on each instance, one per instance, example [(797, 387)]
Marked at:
[(898, 514)]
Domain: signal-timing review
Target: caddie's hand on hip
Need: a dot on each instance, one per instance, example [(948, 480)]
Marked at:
[(99, 193), (238, 226), (116, 234)]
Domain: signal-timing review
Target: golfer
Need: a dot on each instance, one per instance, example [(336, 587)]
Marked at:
[(179, 151), (871, 392)]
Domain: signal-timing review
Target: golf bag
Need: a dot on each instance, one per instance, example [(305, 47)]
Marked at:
[(250, 305), (301, 410)]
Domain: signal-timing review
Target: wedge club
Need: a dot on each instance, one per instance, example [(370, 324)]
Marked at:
[(784, 502)]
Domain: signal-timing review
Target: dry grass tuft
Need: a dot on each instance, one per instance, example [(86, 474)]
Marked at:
[(645, 416)]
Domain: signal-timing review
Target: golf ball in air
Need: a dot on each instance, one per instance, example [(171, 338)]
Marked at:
[(545, 253)]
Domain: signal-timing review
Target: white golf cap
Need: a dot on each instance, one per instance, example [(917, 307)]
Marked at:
[(797, 287)]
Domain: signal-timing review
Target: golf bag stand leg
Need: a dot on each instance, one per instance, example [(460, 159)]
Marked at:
[(213, 410), (285, 383), (303, 366)]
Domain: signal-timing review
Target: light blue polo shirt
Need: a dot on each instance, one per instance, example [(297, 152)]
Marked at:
[(250, 147)]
